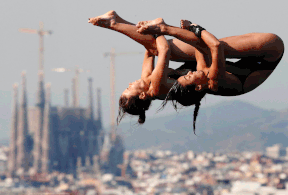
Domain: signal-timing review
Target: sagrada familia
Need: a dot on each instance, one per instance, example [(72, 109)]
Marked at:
[(46, 138)]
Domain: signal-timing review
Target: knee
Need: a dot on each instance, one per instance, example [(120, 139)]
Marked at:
[(273, 45), (273, 38), (280, 43)]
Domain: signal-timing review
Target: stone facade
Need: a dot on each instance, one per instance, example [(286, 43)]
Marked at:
[(45, 138)]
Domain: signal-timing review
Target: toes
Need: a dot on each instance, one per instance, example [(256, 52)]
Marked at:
[(112, 22), (185, 24), (93, 21), (181, 24), (138, 25), (90, 20), (141, 23), (96, 21), (142, 29)]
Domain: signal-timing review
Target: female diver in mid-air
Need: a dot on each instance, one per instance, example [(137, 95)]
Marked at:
[(259, 55)]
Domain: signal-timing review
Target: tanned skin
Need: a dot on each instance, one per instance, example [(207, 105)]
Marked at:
[(208, 51)]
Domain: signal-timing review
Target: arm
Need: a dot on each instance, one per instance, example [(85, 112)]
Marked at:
[(159, 74), (148, 65), (194, 35), (217, 68), (207, 53)]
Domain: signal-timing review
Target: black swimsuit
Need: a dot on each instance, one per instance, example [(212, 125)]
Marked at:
[(251, 63)]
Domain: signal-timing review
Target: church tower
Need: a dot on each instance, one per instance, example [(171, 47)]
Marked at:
[(13, 138), (40, 119), (46, 141), (22, 163)]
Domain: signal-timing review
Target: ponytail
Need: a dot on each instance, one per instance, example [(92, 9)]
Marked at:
[(142, 117), (196, 109), (133, 105)]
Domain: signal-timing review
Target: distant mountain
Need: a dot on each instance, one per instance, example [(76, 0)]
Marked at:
[(228, 126)]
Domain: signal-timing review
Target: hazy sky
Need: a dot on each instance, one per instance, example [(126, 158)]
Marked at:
[(75, 42)]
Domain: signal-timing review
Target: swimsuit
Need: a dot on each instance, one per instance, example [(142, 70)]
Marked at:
[(251, 63)]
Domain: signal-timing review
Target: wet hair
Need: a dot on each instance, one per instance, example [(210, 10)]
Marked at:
[(134, 106), (186, 96)]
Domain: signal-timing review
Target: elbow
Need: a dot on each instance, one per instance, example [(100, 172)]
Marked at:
[(216, 44), (164, 50)]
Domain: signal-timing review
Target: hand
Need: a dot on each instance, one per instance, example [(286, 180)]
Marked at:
[(213, 85), (213, 80)]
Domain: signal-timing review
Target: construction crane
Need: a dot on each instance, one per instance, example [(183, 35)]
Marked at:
[(41, 33), (75, 82), (112, 55)]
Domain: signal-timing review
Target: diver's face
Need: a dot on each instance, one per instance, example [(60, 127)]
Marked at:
[(193, 78), (135, 88)]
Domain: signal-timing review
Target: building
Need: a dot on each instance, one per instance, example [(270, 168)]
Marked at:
[(275, 151), (46, 138)]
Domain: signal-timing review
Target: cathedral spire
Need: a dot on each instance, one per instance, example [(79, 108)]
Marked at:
[(22, 130), (66, 98), (99, 113), (46, 131), (13, 138), (90, 92), (39, 121), (41, 91)]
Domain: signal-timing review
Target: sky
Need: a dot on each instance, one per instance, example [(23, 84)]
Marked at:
[(74, 42)]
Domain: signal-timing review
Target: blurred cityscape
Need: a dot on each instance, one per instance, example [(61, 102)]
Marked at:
[(163, 172)]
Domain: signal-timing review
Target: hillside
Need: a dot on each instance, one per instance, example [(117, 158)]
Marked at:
[(229, 126)]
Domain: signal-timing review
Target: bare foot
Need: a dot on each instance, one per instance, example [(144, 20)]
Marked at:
[(105, 20), (151, 26), (185, 24)]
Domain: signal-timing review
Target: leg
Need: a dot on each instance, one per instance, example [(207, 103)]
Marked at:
[(158, 26), (114, 22), (230, 86), (105, 19), (255, 79), (266, 45)]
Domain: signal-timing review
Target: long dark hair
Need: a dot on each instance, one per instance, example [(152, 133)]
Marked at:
[(186, 96), (134, 106)]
